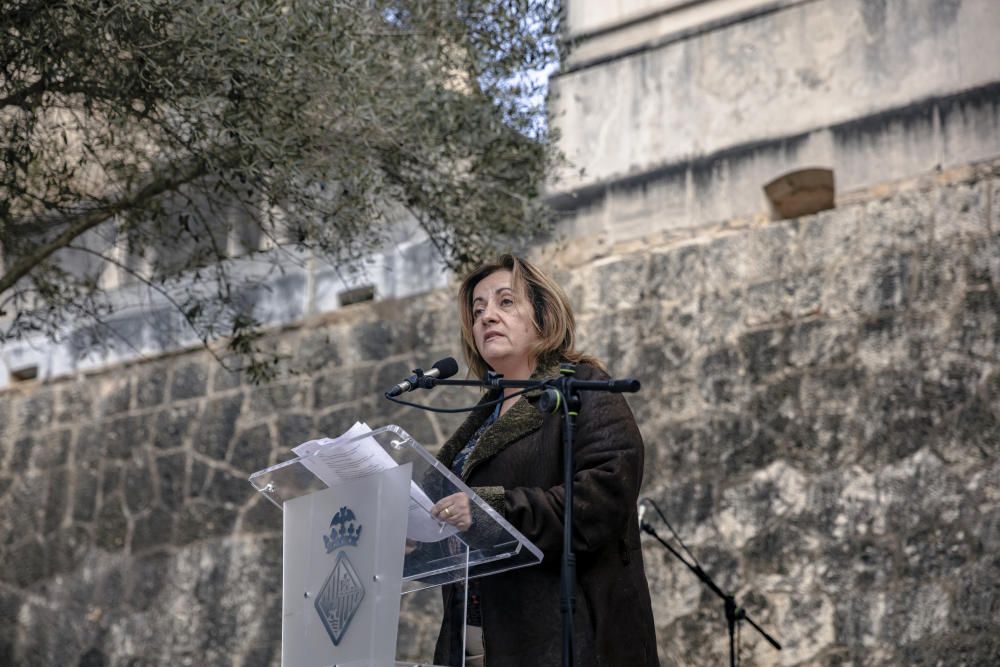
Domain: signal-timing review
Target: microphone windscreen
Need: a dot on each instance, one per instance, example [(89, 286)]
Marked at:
[(625, 386), (446, 367)]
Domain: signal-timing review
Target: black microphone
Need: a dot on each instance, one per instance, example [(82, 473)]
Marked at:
[(624, 386), (442, 369)]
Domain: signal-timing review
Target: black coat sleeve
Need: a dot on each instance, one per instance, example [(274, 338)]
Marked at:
[(608, 463)]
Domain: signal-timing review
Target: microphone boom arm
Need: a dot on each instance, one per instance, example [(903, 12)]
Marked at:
[(733, 611)]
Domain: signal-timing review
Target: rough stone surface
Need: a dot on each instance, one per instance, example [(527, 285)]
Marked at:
[(821, 406), (673, 115), (660, 101)]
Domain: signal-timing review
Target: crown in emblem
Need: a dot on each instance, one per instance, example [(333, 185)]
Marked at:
[(342, 531)]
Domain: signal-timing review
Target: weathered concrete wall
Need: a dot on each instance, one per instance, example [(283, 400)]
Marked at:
[(600, 28), (588, 17), (821, 406), (687, 130)]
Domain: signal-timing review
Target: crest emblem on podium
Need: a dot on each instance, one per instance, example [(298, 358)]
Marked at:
[(340, 596)]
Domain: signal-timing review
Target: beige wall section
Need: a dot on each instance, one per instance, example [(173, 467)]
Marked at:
[(587, 16), (601, 28), (729, 189), (792, 71)]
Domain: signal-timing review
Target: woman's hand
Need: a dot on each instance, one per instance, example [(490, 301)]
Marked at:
[(455, 510)]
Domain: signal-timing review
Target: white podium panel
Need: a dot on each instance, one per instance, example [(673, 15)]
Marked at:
[(342, 567)]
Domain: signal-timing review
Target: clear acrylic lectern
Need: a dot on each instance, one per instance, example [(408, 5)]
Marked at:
[(354, 545)]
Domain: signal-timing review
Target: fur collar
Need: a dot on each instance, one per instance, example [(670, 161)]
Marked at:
[(521, 419)]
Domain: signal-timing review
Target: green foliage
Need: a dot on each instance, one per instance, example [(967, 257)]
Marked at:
[(146, 135)]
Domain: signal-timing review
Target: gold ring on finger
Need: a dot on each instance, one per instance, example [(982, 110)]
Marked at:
[(447, 511)]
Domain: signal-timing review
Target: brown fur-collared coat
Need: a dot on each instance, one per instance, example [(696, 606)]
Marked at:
[(517, 468)]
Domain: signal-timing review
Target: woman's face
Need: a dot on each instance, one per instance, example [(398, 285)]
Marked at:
[(502, 326)]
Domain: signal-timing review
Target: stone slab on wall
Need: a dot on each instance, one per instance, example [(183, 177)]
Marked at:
[(785, 74), (939, 137), (599, 30), (821, 407)]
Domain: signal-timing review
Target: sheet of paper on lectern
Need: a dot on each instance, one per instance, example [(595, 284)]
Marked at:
[(334, 462)]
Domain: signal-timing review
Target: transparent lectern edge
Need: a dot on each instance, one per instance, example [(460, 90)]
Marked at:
[(472, 573), (254, 477), (278, 466), (390, 428), (432, 461), (454, 479), (366, 662)]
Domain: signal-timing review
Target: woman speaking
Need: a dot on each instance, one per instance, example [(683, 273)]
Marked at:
[(517, 322)]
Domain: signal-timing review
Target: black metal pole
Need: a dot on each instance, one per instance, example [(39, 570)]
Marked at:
[(568, 603), (570, 399), (730, 608)]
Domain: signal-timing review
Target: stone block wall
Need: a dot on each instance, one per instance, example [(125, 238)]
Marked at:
[(820, 403), (822, 407), (129, 533)]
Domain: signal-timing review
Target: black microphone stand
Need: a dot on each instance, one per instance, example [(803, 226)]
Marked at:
[(562, 393), (733, 611)]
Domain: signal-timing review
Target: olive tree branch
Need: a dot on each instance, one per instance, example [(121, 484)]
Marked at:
[(162, 291), (19, 98), (81, 222)]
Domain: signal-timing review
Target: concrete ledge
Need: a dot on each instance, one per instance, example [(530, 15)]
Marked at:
[(937, 133), (782, 74)]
